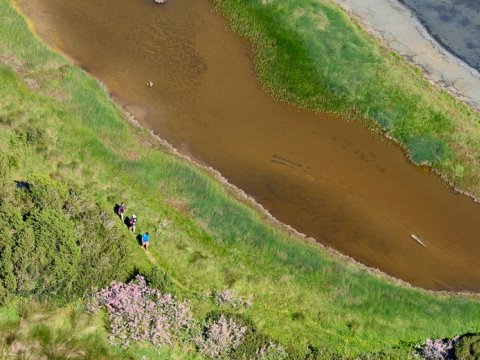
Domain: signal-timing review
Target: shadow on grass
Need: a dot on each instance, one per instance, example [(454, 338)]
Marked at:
[(139, 239)]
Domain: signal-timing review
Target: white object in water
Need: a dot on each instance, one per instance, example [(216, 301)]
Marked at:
[(417, 239), (150, 83), (160, 1)]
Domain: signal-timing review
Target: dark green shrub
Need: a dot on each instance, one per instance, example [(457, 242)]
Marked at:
[(36, 136), (468, 348), (56, 242), (51, 251), (44, 192), (298, 316), (159, 280), (252, 342), (105, 254)]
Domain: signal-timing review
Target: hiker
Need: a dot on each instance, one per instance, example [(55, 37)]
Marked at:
[(145, 241), (121, 210), (133, 223)]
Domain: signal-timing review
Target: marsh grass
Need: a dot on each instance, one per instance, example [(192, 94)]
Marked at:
[(42, 331), (31, 330), (303, 297)]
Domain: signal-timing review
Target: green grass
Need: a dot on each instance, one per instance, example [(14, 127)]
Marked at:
[(310, 53), (203, 237), (31, 330)]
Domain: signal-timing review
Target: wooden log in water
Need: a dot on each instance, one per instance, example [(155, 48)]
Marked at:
[(417, 239)]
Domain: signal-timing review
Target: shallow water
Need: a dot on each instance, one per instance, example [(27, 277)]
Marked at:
[(328, 178), (453, 23)]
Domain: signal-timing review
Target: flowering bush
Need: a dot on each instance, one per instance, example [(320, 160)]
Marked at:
[(230, 297), (437, 349), (220, 337), (271, 351), (137, 312), (140, 313)]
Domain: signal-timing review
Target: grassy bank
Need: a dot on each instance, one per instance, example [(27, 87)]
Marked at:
[(310, 53), (57, 122)]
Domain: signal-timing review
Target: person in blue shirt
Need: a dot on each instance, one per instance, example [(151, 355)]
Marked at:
[(145, 240)]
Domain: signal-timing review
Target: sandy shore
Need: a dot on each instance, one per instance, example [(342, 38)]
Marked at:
[(400, 30)]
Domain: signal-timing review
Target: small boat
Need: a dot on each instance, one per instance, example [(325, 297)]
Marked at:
[(150, 84), (417, 239)]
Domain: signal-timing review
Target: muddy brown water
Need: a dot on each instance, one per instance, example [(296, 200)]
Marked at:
[(328, 178)]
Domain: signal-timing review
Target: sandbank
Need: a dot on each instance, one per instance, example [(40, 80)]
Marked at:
[(401, 31)]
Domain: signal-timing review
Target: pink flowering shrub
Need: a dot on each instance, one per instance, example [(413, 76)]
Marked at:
[(437, 349), (137, 312), (230, 297), (271, 351), (220, 337), (140, 313)]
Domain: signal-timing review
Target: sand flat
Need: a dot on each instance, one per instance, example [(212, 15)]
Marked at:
[(400, 30)]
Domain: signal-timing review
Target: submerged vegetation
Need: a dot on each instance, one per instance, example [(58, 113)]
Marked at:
[(310, 53), (69, 154)]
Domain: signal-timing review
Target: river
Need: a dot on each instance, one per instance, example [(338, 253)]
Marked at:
[(331, 179)]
